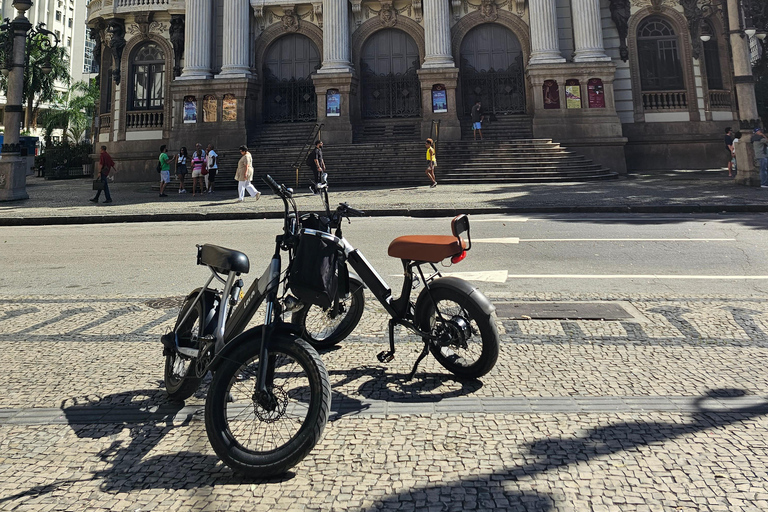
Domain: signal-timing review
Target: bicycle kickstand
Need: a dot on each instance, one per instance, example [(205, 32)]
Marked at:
[(419, 359), (388, 356)]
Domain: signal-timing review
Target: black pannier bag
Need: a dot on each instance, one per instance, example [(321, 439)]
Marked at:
[(314, 274)]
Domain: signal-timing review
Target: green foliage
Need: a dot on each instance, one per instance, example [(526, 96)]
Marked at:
[(39, 87), (72, 112), (65, 154), (761, 82)]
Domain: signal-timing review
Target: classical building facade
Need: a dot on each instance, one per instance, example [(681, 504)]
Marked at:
[(622, 81)]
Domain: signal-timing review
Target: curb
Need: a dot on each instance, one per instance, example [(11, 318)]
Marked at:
[(395, 212)]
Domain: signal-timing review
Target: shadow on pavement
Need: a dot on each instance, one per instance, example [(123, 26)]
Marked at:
[(553, 453)]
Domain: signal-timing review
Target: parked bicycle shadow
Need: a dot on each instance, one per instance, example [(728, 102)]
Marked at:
[(554, 453), (381, 384), (126, 465)]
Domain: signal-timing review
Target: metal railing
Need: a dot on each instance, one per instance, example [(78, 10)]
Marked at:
[(309, 144), (720, 100), (391, 95), (105, 123), (665, 101), (144, 120)]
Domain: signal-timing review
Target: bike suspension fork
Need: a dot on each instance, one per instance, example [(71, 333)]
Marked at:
[(269, 320)]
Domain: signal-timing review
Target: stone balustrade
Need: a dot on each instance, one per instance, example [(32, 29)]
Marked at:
[(665, 101), (144, 120)]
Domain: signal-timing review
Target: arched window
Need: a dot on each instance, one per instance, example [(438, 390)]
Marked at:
[(712, 58), (659, 56), (148, 78)]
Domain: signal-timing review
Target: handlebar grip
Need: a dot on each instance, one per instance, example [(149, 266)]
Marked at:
[(273, 185)]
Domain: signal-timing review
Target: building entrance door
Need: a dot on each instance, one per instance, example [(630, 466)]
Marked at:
[(492, 71), (388, 80), (289, 93)]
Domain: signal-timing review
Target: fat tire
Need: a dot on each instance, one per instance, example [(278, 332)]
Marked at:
[(273, 462), (486, 323), (356, 305), (184, 387)]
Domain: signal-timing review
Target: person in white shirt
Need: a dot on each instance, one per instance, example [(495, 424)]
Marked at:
[(212, 166)]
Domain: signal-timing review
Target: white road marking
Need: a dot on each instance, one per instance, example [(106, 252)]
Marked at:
[(632, 276), (513, 240), (510, 240), (623, 239), (490, 276), (506, 219)]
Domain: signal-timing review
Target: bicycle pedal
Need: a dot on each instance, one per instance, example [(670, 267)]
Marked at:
[(386, 356)]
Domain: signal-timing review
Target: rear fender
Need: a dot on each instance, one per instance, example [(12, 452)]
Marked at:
[(424, 301), (253, 335)]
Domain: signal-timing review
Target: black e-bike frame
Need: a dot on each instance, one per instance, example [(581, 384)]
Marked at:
[(234, 314)]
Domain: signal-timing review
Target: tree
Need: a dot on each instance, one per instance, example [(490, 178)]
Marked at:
[(72, 111), (39, 87)]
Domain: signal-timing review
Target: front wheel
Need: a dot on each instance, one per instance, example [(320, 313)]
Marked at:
[(180, 376), (324, 329), (467, 340), (264, 433)]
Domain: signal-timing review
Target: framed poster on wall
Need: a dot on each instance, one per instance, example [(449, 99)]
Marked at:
[(190, 109), (439, 99), (572, 94), (332, 103)]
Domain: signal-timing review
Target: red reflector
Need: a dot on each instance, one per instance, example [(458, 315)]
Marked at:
[(459, 257)]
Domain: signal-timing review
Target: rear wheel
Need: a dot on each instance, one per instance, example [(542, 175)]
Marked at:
[(467, 343), (180, 377), (265, 434), (322, 328)]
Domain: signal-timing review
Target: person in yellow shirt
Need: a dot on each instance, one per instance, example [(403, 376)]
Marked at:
[(431, 162)]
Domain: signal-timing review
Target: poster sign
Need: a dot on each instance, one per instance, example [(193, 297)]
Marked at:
[(572, 94), (332, 103), (229, 108), (551, 92), (439, 99), (190, 109), (595, 93)]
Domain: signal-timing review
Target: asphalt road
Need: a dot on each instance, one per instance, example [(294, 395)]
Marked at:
[(568, 254)]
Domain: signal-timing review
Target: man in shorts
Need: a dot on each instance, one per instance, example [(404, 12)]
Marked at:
[(477, 120), (729, 146), (165, 169), (213, 166)]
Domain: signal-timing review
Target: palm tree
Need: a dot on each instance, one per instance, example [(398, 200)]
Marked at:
[(40, 81), (72, 112)]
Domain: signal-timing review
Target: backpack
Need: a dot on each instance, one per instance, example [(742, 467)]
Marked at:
[(159, 165)]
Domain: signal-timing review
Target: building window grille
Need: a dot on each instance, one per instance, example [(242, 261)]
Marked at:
[(658, 56), (147, 78)]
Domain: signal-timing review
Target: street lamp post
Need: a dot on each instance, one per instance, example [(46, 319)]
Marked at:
[(13, 174)]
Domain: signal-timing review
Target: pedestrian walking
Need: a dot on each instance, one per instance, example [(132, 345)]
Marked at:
[(181, 168), (105, 165), (729, 146), (477, 120), (736, 138), (164, 162), (244, 175), (317, 164), (431, 162), (212, 166), (198, 164), (760, 145)]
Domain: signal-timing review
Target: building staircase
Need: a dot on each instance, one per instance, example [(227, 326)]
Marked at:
[(384, 160)]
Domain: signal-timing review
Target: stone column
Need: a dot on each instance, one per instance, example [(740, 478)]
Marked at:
[(545, 47), (13, 171), (742, 69), (437, 34), (335, 37), (197, 39), (588, 32), (236, 40)]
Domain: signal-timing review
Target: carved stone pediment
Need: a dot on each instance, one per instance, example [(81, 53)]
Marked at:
[(290, 20), (388, 15), (144, 25), (489, 10)]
